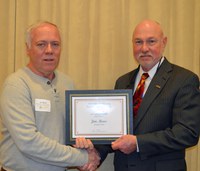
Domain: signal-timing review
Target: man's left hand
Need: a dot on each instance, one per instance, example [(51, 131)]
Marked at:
[(126, 144)]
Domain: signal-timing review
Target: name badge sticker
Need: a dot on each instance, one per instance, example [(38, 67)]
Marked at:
[(42, 105)]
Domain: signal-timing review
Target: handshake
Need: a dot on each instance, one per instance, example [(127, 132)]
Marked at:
[(93, 156), (126, 144)]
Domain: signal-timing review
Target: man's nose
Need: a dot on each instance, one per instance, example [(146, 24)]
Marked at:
[(145, 47), (49, 48)]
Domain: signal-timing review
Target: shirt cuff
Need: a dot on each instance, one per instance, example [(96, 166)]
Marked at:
[(137, 145)]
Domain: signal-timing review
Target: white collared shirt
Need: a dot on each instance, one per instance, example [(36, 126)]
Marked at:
[(151, 73)]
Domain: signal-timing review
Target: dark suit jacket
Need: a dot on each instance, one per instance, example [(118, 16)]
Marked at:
[(168, 121)]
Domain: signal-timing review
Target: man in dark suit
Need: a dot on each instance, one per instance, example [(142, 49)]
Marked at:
[(168, 119)]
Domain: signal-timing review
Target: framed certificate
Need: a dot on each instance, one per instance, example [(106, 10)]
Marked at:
[(100, 115)]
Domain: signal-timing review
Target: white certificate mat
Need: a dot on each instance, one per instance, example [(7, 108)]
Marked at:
[(100, 115)]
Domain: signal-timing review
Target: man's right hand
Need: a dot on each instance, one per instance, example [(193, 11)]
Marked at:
[(93, 161), (93, 155)]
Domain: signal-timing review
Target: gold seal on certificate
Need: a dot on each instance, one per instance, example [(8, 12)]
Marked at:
[(100, 115)]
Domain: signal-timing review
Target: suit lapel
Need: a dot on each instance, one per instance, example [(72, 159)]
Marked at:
[(131, 83), (155, 87)]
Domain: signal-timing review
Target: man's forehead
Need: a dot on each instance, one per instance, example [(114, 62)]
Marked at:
[(146, 35), (44, 33), (148, 29)]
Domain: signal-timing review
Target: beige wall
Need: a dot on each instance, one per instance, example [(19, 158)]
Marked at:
[(97, 39)]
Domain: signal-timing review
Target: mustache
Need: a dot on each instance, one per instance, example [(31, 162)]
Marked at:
[(144, 54)]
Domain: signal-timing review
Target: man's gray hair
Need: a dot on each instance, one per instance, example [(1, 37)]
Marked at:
[(34, 26)]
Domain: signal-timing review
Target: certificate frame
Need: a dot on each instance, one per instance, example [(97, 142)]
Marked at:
[(93, 114)]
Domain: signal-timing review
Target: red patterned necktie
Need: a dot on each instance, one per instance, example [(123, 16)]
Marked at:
[(137, 97)]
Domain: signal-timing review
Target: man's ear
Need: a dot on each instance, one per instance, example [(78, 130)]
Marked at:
[(164, 42), (27, 49)]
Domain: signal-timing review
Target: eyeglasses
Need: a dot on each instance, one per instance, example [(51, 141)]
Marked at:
[(149, 42)]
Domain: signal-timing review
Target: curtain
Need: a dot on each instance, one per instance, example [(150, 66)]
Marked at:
[(96, 39)]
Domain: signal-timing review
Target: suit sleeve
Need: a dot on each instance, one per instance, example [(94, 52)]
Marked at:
[(103, 151)]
